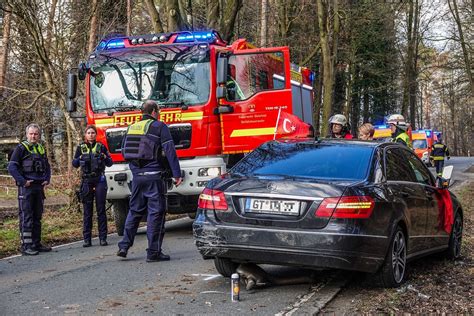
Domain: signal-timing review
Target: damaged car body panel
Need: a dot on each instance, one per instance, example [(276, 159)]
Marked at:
[(315, 204)]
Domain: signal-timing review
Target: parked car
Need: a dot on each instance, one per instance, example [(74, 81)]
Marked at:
[(353, 205)]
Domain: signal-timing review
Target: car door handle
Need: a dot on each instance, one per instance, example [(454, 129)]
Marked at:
[(405, 194)]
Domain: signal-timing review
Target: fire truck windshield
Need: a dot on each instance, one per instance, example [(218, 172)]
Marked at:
[(177, 75)]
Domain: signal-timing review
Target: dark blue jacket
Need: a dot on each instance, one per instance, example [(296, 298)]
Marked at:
[(161, 130), (15, 168), (76, 162)]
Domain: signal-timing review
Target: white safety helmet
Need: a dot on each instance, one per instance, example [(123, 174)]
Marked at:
[(397, 120), (338, 119)]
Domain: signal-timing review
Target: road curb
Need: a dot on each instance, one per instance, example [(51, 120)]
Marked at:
[(319, 296)]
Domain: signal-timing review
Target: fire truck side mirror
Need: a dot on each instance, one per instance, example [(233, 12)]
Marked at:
[(221, 92), (222, 66), (82, 71), (71, 105), (71, 92)]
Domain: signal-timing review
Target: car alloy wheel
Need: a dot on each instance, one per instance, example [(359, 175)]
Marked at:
[(399, 258), (455, 240)]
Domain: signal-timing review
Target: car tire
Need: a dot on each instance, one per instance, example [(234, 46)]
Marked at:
[(455, 239), (225, 266), (393, 271), (120, 211)]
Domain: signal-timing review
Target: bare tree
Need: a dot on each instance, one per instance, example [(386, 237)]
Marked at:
[(155, 16), (5, 46), (453, 8), (329, 45)]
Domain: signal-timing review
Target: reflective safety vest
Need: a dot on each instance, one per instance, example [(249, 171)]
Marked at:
[(138, 144), (92, 165), (405, 138), (35, 161), (438, 151)]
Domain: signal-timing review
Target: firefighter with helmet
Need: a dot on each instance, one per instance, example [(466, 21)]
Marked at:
[(338, 127), (438, 152), (399, 127)]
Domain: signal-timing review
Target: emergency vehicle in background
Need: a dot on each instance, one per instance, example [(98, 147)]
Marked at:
[(220, 101), (422, 140)]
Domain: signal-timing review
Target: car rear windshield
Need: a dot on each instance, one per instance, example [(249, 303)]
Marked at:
[(307, 160)]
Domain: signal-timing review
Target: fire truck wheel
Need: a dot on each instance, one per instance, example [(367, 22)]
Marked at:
[(225, 266), (120, 210)]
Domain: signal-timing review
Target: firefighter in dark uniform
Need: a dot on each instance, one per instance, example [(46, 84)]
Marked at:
[(399, 128), (93, 157), (30, 168), (149, 149), (438, 152)]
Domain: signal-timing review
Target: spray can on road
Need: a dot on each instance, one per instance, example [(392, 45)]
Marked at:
[(235, 287)]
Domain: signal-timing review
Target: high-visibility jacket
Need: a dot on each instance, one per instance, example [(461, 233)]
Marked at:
[(403, 138), (438, 151)]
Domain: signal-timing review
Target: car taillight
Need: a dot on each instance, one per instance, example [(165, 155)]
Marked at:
[(212, 199), (346, 207)]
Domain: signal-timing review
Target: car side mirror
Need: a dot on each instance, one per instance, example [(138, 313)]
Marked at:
[(445, 179)]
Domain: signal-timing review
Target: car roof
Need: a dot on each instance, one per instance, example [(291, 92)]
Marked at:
[(335, 142)]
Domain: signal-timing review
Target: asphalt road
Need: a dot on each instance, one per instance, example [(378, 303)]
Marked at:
[(94, 280)]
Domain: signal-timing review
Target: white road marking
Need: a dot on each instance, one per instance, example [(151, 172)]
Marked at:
[(208, 276)]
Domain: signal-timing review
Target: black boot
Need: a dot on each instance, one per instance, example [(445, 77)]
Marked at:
[(29, 251), (87, 243)]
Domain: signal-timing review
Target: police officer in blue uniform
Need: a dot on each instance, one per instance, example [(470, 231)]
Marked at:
[(149, 149), (30, 168), (93, 157)]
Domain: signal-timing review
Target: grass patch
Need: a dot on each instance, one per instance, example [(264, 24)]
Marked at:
[(11, 193), (59, 226)]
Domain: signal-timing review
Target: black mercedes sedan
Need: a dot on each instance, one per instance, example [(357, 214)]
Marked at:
[(353, 205)]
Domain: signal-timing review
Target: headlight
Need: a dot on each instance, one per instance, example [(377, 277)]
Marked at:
[(209, 172), (425, 154)]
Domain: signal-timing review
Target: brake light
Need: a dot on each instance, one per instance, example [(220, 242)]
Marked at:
[(346, 207), (212, 199)]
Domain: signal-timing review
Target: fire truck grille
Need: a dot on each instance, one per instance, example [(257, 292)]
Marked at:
[(114, 139), (181, 134)]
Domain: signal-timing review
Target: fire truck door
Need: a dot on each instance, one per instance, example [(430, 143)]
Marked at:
[(257, 89)]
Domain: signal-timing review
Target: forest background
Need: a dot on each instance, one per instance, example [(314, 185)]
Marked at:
[(371, 58)]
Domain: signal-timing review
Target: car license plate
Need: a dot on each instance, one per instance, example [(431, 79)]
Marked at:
[(272, 206)]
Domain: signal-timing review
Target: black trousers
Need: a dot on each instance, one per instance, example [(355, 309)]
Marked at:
[(439, 164), (30, 202), (98, 191), (148, 197)]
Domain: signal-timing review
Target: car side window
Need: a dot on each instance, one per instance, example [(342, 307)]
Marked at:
[(421, 172), (397, 167)]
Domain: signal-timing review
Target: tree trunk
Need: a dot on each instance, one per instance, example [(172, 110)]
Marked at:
[(327, 58), (212, 16), (5, 48), (129, 17), (155, 16), (93, 27), (229, 17), (465, 51), (175, 22), (263, 25), (317, 101)]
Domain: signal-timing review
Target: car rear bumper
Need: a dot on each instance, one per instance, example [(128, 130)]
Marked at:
[(291, 247)]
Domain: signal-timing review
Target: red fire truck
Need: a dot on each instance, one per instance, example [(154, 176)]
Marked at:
[(220, 101)]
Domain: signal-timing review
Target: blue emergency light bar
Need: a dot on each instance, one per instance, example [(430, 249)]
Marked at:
[(195, 36), (381, 126), (428, 133)]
